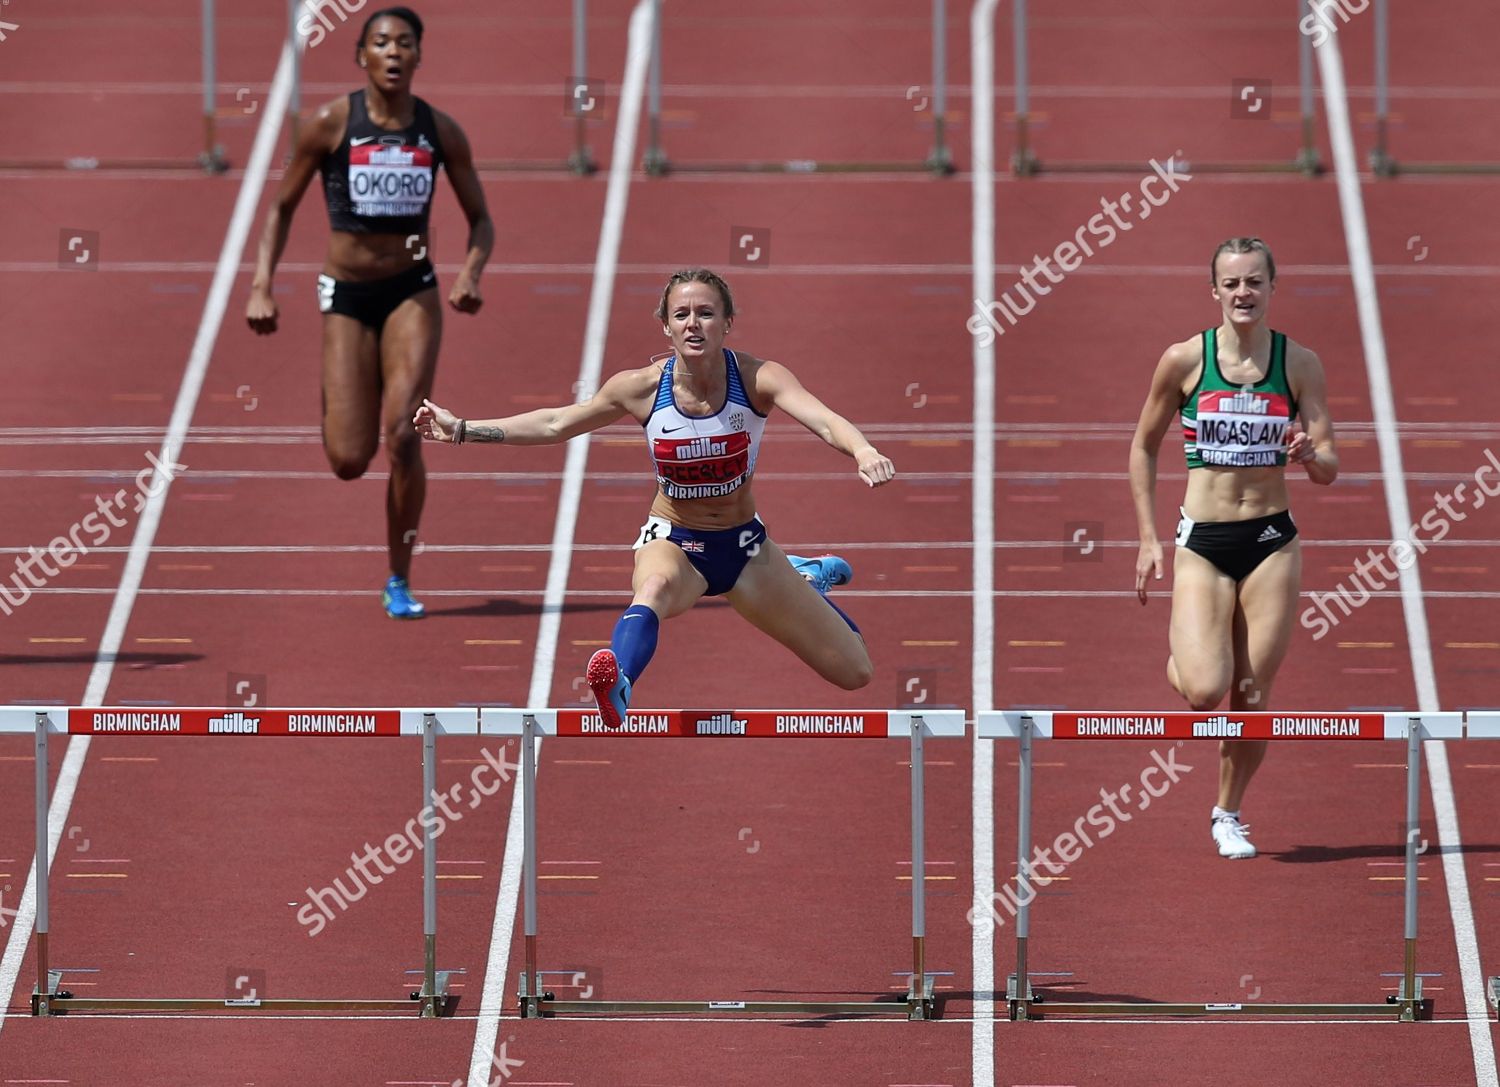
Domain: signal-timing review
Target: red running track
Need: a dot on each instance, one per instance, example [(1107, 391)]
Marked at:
[(261, 557)]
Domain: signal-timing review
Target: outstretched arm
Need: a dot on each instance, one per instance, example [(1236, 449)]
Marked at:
[(544, 426), (788, 394)]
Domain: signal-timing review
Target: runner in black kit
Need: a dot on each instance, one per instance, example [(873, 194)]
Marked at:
[(703, 410), (379, 150)]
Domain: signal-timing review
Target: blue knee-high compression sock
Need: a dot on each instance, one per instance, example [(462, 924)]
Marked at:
[(852, 625), (634, 641)]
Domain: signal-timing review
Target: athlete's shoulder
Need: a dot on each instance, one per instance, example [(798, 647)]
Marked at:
[(1183, 357), (752, 364), (1300, 355), (328, 122), (448, 130), (635, 384)]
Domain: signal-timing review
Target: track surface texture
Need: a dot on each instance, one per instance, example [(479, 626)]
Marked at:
[(736, 872)]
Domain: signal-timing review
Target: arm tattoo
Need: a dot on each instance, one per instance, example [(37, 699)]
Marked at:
[(474, 433)]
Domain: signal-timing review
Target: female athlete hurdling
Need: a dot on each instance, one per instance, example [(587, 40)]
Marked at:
[(703, 409)]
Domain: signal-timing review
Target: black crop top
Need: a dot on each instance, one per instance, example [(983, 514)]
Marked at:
[(379, 181)]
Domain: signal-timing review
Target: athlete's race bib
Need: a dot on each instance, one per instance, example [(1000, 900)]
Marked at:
[(389, 180), (706, 467), (1242, 429)]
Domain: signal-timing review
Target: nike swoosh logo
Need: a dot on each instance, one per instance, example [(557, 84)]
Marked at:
[(362, 140), (671, 429)]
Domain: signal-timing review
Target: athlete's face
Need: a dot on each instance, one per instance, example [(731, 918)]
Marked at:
[(390, 53), (1242, 284), (696, 320)]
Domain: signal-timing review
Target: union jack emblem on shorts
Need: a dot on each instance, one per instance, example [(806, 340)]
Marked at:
[(695, 546)]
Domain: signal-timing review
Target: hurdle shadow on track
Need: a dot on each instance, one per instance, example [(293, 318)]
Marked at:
[(150, 660), (1323, 854)]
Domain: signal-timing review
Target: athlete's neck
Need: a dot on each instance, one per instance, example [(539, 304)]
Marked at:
[(396, 109), (1247, 342)]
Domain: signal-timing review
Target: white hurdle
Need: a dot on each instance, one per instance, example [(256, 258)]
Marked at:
[(1025, 726), (912, 725)]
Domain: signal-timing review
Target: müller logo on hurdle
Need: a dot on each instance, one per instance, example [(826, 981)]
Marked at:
[(1197, 726)]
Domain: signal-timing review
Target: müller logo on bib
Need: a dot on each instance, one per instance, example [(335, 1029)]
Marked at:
[(701, 467), (387, 180)]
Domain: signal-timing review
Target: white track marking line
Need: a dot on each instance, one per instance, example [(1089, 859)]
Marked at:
[(982, 140), (150, 518), (601, 298), (1357, 239), (1372, 335), (1471, 969)]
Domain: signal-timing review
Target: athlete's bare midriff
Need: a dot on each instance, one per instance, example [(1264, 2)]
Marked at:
[(360, 258), (1234, 494), (706, 514)]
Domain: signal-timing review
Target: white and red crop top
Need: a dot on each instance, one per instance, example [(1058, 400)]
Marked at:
[(704, 456)]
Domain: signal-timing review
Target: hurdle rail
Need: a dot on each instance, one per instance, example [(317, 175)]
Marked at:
[(1025, 162), (939, 160), (1025, 726), (50, 999), (537, 1002)]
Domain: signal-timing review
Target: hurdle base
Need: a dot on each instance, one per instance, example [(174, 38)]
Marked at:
[(1495, 995), (923, 1005), (434, 1002), (546, 1007), (659, 166), (1031, 166), (539, 1003), (213, 162), (1018, 998), (1037, 1007), (62, 1003), (42, 1002)]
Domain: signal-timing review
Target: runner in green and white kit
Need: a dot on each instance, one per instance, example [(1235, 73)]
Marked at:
[(1237, 572)]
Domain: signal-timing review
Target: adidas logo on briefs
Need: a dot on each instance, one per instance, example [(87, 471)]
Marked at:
[(1269, 534)]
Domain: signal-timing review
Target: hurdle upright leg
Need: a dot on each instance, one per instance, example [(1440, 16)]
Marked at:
[(531, 981), (46, 984), (919, 996), (1018, 992), (1410, 996), (434, 993)]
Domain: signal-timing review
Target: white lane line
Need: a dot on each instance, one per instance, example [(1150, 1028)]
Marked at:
[(1357, 239), (982, 141), (140, 546), (601, 299), (1471, 969), (1372, 336)]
